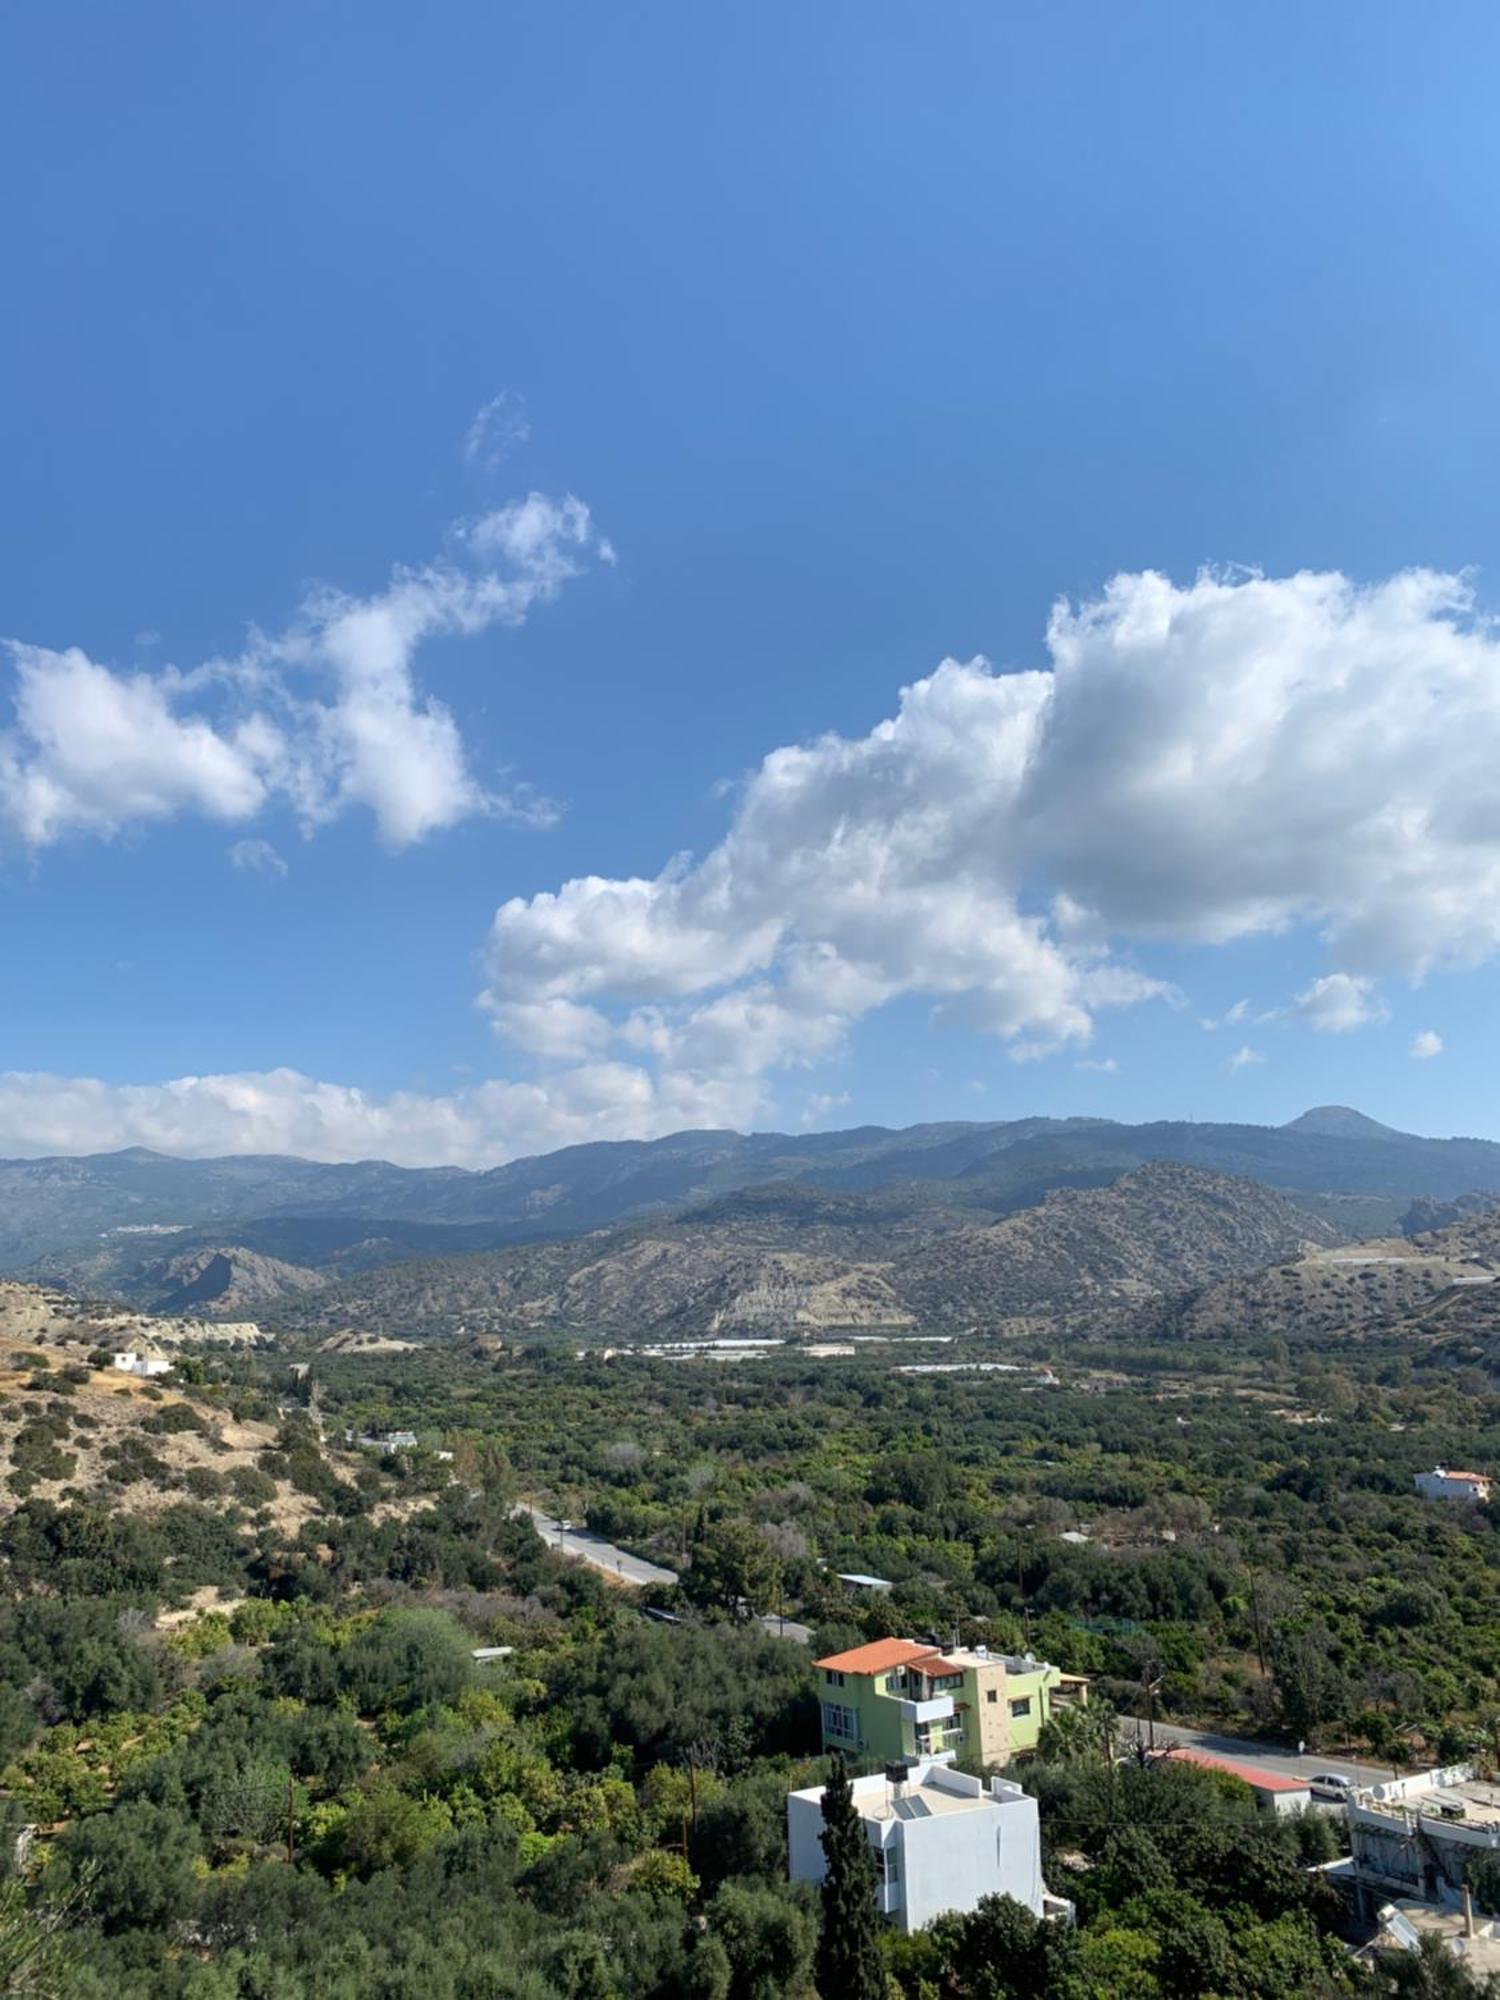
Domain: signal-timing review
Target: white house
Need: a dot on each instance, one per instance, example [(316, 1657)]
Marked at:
[(941, 1841), (131, 1362), (1444, 1482), (385, 1440)]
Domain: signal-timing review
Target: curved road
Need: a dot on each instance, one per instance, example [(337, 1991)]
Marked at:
[(584, 1546)]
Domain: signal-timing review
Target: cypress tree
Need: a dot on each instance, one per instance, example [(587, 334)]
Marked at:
[(849, 1964)]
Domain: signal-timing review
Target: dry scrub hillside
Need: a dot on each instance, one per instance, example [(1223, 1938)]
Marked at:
[(807, 1259), (1158, 1230), (41, 1313), (1335, 1294), (71, 1432)]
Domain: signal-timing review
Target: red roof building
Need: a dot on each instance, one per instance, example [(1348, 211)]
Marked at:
[(1272, 1788)]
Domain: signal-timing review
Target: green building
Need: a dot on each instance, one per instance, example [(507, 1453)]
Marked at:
[(897, 1698)]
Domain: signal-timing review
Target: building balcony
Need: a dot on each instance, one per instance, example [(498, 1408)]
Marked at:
[(939, 1709)]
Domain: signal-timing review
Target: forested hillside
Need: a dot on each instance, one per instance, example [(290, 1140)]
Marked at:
[(262, 1756)]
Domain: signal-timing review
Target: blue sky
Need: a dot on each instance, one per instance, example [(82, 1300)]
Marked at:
[(857, 336)]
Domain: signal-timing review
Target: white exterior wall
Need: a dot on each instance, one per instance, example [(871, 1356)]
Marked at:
[(949, 1861), (804, 1828), (130, 1363), (953, 1860), (1440, 1485), (1286, 1802)]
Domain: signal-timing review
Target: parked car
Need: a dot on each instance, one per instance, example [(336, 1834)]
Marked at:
[(1329, 1785)]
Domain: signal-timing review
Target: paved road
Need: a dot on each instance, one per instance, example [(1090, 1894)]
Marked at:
[(599, 1554), (1263, 1756), (787, 1628), (594, 1550)]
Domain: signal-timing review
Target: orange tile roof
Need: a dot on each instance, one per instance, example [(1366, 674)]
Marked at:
[(877, 1656)]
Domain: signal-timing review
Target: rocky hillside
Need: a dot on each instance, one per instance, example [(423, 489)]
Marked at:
[(40, 1312), (1384, 1286), (806, 1259), (1157, 1230), (228, 1280)]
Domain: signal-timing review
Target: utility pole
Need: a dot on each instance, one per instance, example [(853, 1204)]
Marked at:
[(1151, 1687)]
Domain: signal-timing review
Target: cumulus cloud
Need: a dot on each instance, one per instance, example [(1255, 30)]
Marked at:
[(93, 749), (1426, 1045), (1201, 763), (1337, 1003), (1230, 1018), (1106, 1066), (325, 716), (1194, 764), (854, 871), (257, 857)]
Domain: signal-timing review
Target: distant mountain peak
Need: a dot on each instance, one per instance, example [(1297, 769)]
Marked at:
[(1339, 1121)]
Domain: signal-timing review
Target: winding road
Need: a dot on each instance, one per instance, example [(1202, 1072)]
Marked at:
[(584, 1546)]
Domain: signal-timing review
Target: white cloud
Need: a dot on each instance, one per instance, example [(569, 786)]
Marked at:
[(1230, 1018), (325, 716), (1106, 1066), (1244, 1058), (1231, 758), (94, 750), (1199, 764), (1426, 1045), (282, 1111), (1337, 1003), (1240, 756), (257, 857), (499, 427), (854, 871)]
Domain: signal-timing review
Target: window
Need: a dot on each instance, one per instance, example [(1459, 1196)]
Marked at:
[(992, 1694), (840, 1721), (1021, 1707), (942, 1682), (887, 1866), (834, 1680)]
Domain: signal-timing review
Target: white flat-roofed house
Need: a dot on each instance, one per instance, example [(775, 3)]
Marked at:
[(1417, 1838), (941, 1841), (131, 1362), (1446, 1482)]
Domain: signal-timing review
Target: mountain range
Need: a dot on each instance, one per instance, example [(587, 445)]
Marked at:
[(934, 1224), (50, 1205), (787, 1257)]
